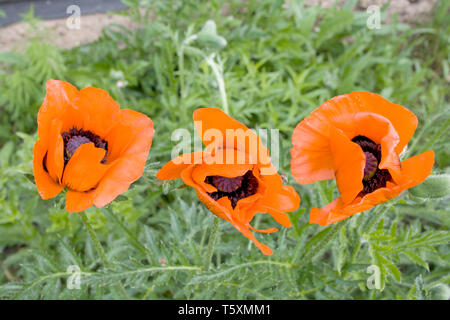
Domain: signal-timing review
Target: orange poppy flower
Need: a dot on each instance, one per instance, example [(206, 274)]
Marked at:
[(356, 139), (234, 176), (89, 145)]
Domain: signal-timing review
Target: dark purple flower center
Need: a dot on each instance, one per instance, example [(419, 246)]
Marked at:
[(227, 184), (77, 137), (374, 178), (235, 189), (74, 143), (371, 166)]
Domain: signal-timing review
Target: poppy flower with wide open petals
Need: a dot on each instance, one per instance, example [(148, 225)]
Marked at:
[(356, 139), (89, 145), (234, 176)]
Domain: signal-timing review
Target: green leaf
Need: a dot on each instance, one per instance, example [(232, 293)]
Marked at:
[(390, 266), (416, 259), (332, 24)]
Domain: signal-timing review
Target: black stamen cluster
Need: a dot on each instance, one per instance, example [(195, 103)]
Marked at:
[(381, 176), (76, 137), (248, 187)]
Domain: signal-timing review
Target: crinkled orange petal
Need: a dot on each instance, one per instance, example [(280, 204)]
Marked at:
[(414, 171), (373, 126), (278, 196), (84, 169), (55, 155), (279, 216), (214, 126), (172, 169), (103, 111), (227, 156), (131, 164), (248, 207), (73, 118), (222, 208), (215, 119), (270, 230), (231, 158), (249, 235), (242, 226), (325, 215), (121, 136), (58, 97), (213, 206), (116, 180), (77, 201), (349, 162), (311, 159), (47, 187), (381, 131), (403, 120)]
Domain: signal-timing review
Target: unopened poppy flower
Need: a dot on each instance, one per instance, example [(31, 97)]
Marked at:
[(356, 139), (89, 145), (234, 176)]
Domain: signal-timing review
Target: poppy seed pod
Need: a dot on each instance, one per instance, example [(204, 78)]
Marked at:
[(89, 145)]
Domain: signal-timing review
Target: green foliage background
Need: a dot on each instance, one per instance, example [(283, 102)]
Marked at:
[(279, 64)]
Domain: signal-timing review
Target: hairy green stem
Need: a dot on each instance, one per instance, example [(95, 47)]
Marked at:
[(314, 250), (181, 63), (212, 242), (218, 73), (98, 246), (94, 238)]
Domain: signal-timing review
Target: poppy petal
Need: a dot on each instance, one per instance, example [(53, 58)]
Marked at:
[(381, 131), (214, 206), (241, 226), (58, 97), (46, 186), (121, 136), (55, 155), (172, 169), (278, 196), (117, 180), (311, 158), (77, 201), (249, 235), (270, 230), (84, 170), (206, 119), (349, 162), (328, 214), (404, 121), (131, 164), (279, 216), (416, 169), (219, 129), (103, 111), (338, 210)]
